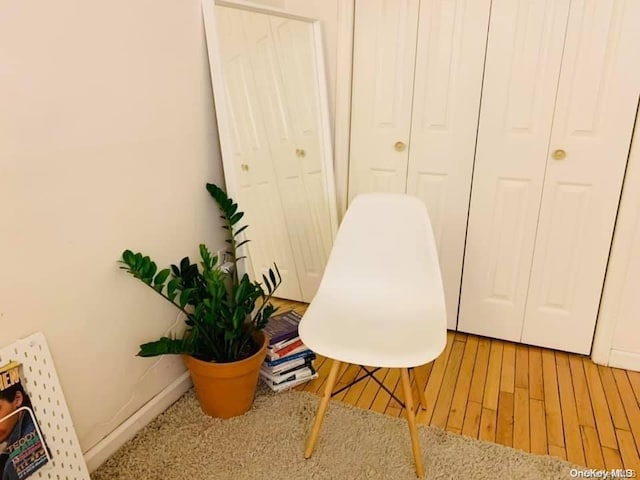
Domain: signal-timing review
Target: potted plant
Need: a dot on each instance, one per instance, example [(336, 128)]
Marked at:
[(223, 344)]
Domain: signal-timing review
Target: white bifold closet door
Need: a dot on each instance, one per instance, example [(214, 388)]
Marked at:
[(452, 38), (258, 187), (272, 94), (383, 66), (559, 98), (416, 92)]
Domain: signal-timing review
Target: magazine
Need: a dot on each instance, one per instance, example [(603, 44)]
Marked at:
[(283, 327), (22, 447)]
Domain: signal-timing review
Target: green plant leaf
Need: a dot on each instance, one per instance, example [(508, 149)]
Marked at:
[(236, 218), (161, 277), (185, 297), (127, 257), (240, 230), (172, 288), (242, 243), (163, 346)]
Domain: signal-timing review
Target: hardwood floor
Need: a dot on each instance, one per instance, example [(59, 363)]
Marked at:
[(533, 399)]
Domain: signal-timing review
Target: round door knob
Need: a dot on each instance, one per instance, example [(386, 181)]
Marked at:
[(399, 146), (300, 152), (559, 154), (244, 167)]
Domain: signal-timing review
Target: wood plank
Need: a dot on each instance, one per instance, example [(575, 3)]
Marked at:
[(459, 402), (471, 424), (557, 452), (476, 391), (553, 412), (504, 427), (394, 409), (521, 439), (581, 392), (493, 380), (592, 448), (487, 429), (536, 385), (600, 405), (435, 381), (443, 403), (371, 390), (383, 399), (572, 436), (461, 337), (612, 458), (616, 408), (634, 380), (539, 428), (629, 402), (420, 376), (349, 376), (353, 394), (522, 367), (628, 450), (508, 371)]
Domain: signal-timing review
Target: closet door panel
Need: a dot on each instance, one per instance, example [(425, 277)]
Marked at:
[(252, 95), (452, 37), (301, 178), (383, 71), (596, 107), (520, 81)]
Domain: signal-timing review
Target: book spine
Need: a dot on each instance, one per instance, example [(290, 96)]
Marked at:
[(277, 346), (292, 348), (289, 366), (302, 354), (289, 385), (288, 377)]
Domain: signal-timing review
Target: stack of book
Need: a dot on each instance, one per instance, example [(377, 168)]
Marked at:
[(289, 362)]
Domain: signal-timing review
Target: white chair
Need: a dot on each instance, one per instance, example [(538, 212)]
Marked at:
[(380, 302)]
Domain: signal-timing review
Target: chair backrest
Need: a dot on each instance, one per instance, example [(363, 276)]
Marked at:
[(385, 247)]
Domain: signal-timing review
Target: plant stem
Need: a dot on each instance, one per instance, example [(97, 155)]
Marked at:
[(189, 316)]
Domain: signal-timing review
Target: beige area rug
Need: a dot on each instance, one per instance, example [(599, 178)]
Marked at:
[(268, 442)]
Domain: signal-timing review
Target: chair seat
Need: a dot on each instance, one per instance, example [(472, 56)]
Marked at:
[(328, 329)]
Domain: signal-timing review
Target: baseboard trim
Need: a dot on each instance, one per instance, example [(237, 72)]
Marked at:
[(626, 360), (98, 454)]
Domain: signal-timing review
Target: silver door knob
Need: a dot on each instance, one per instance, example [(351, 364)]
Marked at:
[(399, 146)]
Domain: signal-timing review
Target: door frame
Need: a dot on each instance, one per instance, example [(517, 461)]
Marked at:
[(344, 80), (622, 247)]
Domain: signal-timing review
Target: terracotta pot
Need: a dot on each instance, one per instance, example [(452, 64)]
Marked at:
[(227, 390)]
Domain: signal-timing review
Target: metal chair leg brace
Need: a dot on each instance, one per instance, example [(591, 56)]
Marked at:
[(370, 374)]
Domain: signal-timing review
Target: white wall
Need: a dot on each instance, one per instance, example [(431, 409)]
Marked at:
[(617, 339), (107, 138)]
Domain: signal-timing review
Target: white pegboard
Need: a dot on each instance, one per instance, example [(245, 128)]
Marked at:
[(41, 382)]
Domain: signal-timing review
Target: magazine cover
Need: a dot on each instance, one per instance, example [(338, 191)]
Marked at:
[(22, 448)]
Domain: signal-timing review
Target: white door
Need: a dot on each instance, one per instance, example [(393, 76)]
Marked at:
[(520, 81), (258, 189), (301, 175), (452, 36), (383, 70), (593, 123)]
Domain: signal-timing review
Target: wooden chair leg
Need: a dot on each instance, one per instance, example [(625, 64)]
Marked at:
[(411, 420), (421, 383), (322, 409)]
